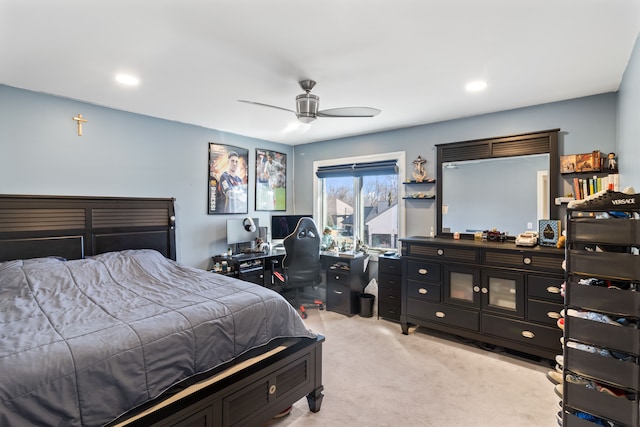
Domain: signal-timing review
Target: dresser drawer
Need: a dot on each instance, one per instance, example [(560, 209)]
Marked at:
[(524, 332), (422, 290), (545, 287), (389, 311), (445, 314), (389, 295), (544, 312), (444, 252), (389, 280), (390, 265), (523, 259), (423, 271)]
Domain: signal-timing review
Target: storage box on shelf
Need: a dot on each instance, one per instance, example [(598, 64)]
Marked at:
[(489, 291), (603, 270)]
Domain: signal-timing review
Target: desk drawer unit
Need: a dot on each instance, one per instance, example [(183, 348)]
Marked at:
[(389, 287)]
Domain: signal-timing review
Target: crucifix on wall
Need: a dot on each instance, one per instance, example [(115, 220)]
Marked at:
[(80, 121)]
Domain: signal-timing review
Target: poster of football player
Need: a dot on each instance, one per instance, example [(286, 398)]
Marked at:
[(271, 180), (227, 179)]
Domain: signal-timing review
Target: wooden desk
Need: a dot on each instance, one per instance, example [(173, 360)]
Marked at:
[(343, 277)]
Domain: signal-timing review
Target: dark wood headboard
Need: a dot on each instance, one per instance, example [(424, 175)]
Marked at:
[(75, 227)]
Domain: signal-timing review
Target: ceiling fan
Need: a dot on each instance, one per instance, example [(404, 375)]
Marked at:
[(307, 106)]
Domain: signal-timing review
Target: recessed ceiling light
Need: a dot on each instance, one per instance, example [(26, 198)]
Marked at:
[(126, 79), (476, 86)]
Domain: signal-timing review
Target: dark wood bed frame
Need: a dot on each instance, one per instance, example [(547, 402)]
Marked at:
[(248, 393)]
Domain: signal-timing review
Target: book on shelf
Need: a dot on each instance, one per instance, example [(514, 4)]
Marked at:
[(585, 162), (583, 187)]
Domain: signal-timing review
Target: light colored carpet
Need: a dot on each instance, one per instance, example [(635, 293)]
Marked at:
[(374, 375)]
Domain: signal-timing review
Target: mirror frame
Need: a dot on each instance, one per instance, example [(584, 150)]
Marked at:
[(492, 148)]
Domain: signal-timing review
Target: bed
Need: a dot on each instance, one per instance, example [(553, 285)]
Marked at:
[(99, 325)]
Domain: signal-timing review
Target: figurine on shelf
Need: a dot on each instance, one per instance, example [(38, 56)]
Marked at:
[(419, 173)]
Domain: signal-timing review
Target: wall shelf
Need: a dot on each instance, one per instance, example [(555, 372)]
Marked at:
[(419, 183)]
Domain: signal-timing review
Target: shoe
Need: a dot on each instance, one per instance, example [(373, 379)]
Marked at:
[(559, 418), (560, 360), (283, 413), (560, 323), (554, 376), (608, 199), (558, 390)]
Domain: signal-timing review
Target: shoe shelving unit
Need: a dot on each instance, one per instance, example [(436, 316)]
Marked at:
[(616, 240)]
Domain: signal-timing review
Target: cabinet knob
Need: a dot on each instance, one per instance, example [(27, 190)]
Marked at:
[(440, 314), (526, 260), (553, 314), (422, 291), (337, 292), (272, 389), (485, 290), (553, 290), (423, 271), (440, 252), (528, 334), (337, 277), (476, 289)]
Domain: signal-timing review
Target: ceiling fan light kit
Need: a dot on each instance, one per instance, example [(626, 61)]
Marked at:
[(307, 106)]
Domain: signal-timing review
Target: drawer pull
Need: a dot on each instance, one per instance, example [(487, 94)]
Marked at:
[(440, 314), (272, 389), (422, 291), (553, 314), (423, 271), (337, 292), (337, 277), (528, 334), (527, 260), (440, 252), (553, 290), (485, 290), (476, 289)]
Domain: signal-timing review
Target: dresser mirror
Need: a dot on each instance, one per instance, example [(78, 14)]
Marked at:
[(507, 183)]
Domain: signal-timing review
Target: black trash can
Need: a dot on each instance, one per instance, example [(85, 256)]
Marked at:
[(366, 304)]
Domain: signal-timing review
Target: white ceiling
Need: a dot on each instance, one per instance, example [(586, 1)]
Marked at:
[(409, 58)]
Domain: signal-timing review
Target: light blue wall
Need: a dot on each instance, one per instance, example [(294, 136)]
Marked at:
[(119, 154), (586, 124), (629, 122), (123, 154)]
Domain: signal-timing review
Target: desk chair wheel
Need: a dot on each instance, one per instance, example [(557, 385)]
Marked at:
[(315, 304)]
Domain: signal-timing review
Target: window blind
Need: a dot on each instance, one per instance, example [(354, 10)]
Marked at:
[(383, 167)]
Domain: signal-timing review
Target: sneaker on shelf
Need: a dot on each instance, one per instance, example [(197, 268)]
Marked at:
[(555, 377), (608, 199), (558, 390), (560, 360)]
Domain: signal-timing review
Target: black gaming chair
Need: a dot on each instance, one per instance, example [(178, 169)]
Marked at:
[(301, 263)]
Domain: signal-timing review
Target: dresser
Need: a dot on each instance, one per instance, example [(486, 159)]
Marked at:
[(389, 287), (493, 292)]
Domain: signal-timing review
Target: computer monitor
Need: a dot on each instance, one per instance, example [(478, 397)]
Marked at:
[(239, 235), (283, 225)]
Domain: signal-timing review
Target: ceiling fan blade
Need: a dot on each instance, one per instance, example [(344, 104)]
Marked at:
[(266, 105), (349, 112)]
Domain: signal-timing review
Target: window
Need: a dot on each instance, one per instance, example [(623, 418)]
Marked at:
[(357, 199)]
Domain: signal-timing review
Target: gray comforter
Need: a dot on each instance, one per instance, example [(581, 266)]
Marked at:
[(83, 341)]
